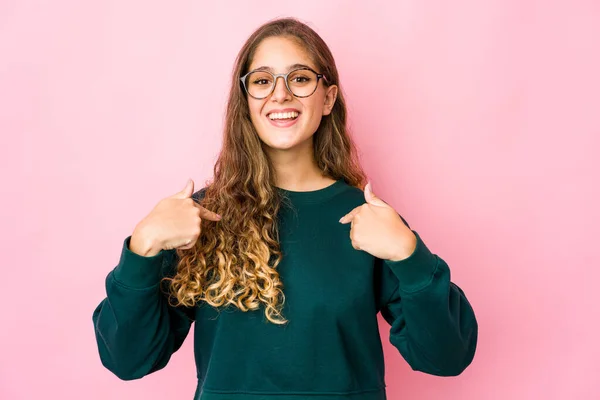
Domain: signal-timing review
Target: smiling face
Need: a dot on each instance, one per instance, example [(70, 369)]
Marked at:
[(283, 121)]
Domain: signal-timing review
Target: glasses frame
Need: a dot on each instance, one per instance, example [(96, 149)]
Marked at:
[(285, 80)]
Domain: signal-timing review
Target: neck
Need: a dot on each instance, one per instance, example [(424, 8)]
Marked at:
[(297, 170)]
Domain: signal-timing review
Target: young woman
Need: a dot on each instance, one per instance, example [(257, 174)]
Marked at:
[(284, 284)]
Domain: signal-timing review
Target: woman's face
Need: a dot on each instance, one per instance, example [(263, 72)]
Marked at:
[(279, 55)]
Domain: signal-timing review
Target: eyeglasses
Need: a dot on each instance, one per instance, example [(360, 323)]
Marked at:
[(301, 82)]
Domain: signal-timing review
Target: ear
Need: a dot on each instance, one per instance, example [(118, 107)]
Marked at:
[(330, 97)]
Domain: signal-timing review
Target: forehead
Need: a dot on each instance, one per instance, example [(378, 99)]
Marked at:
[(279, 53)]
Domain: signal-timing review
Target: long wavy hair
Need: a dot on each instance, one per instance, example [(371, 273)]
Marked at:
[(234, 261)]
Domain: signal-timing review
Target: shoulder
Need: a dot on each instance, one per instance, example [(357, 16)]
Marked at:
[(347, 196), (353, 192)]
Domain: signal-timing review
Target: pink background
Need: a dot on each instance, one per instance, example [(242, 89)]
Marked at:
[(477, 120)]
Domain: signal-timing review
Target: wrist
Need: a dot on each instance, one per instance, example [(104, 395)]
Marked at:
[(406, 250), (138, 270), (418, 270), (143, 243)]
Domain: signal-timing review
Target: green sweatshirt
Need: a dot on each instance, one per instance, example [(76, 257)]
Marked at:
[(331, 347)]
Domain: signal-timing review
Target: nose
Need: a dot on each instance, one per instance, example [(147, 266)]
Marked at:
[(280, 92)]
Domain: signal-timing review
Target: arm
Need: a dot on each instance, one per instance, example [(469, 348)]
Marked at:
[(432, 323), (136, 329)]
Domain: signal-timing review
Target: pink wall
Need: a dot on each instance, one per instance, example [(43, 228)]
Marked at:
[(478, 121)]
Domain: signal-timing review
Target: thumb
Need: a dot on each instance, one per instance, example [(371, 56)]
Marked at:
[(187, 191), (371, 198)]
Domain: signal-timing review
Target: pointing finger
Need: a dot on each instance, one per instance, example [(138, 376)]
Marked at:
[(206, 214), (348, 217)]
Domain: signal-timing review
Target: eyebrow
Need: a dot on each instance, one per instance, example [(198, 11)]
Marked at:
[(289, 68)]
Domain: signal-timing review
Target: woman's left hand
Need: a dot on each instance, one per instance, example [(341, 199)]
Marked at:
[(378, 229)]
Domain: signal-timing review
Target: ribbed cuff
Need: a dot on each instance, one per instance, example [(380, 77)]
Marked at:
[(416, 271), (136, 271)]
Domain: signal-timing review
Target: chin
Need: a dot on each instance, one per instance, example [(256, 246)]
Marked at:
[(281, 138), (280, 145)]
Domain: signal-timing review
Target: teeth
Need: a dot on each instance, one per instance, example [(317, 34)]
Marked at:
[(285, 115)]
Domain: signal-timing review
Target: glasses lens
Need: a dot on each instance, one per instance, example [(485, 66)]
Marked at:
[(302, 82), (259, 84)]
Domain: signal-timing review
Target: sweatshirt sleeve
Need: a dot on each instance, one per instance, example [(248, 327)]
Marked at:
[(432, 323), (136, 329)]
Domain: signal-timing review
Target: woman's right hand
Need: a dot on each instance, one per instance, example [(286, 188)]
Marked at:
[(174, 223)]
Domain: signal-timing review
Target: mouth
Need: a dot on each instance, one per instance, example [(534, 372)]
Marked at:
[(283, 119)]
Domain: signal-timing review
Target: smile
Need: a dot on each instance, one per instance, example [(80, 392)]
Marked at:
[(283, 115), (283, 119)]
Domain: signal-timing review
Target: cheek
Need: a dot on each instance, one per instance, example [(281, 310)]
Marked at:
[(255, 108), (314, 110), (317, 103)]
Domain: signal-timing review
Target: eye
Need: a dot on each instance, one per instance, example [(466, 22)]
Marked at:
[(260, 78), (300, 79), (261, 82)]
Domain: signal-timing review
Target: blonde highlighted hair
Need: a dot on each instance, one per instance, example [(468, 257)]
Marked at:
[(235, 260)]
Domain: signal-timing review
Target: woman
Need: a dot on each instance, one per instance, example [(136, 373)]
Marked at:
[(285, 282)]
